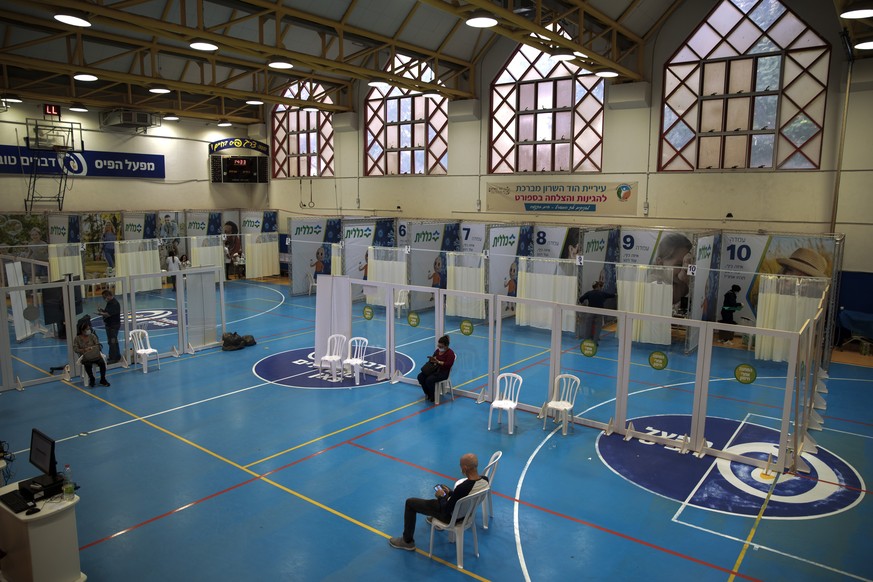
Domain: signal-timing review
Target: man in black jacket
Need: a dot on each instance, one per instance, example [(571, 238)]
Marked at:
[(442, 505), (112, 321)]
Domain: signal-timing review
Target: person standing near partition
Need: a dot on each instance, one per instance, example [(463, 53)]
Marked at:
[(112, 322)]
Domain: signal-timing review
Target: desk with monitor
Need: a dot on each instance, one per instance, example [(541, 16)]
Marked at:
[(43, 547)]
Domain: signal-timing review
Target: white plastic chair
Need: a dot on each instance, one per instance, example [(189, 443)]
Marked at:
[(443, 387), (312, 284), (562, 399), (401, 302), (336, 351), (80, 369), (143, 349), (463, 518), (356, 356), (489, 471), (508, 388)]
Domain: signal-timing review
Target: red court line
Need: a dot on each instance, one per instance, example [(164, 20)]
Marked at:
[(576, 520), (840, 485)]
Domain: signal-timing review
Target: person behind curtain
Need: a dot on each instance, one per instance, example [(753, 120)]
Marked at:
[(443, 504), (186, 264), (112, 322), (443, 358), (730, 305), (675, 251), (592, 324), (174, 265), (232, 246), (108, 246), (86, 345)]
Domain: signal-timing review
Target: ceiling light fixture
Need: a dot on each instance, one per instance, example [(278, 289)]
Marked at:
[(170, 117), (159, 89), (563, 54), (606, 74), (379, 84), (481, 19), (78, 108), (224, 123), (12, 98), (73, 18), (254, 102), (87, 77), (865, 46), (280, 64), (432, 95), (311, 109), (198, 44), (855, 10)]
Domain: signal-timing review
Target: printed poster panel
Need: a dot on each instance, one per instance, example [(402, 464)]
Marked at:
[(99, 234), (196, 223), (595, 244), (743, 256), (63, 228), (429, 242), (311, 255), (592, 199), (638, 246), (357, 237), (473, 235), (506, 244), (556, 242), (25, 236)]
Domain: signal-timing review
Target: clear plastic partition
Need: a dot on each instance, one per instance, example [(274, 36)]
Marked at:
[(660, 375), (154, 307), (591, 354), (36, 332), (369, 322), (524, 346), (415, 330), (467, 323), (203, 317)]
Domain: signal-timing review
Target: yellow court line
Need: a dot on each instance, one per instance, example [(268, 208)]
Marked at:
[(336, 432), (751, 535), (270, 481)]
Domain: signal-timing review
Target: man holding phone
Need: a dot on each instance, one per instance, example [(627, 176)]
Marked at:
[(443, 503)]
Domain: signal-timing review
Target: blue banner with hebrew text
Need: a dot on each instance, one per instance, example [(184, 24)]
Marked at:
[(22, 160)]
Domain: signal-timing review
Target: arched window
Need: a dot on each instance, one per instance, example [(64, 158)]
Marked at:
[(302, 137), (406, 132), (546, 116), (746, 90)]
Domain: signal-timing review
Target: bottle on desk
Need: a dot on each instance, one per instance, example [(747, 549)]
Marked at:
[(69, 486)]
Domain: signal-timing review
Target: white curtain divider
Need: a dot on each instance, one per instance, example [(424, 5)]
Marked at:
[(465, 272), (65, 259), (386, 265), (207, 251), (550, 280), (784, 302), (23, 328), (336, 259), (262, 255), (139, 257), (646, 289)]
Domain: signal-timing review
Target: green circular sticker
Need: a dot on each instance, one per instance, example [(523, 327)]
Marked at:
[(368, 312), (413, 319), (466, 327), (658, 360), (745, 373), (588, 348)]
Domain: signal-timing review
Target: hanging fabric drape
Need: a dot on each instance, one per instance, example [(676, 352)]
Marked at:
[(262, 255), (465, 272), (207, 251), (64, 259), (784, 302), (646, 289), (139, 257), (387, 265), (336, 259), (553, 280)]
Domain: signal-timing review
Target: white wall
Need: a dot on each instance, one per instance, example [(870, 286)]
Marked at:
[(773, 201)]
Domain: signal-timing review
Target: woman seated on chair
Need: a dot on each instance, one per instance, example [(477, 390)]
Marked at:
[(88, 347), (437, 368)]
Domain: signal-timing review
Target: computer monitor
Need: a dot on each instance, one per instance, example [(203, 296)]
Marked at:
[(42, 454)]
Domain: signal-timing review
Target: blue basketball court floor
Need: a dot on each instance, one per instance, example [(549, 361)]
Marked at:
[(249, 465)]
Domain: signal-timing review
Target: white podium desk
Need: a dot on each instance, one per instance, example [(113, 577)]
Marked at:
[(43, 547)]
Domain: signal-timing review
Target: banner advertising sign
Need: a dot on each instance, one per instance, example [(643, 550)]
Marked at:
[(556, 242), (239, 143), (608, 199), (311, 253), (505, 244), (63, 228), (357, 237), (430, 241), (595, 244), (20, 160)]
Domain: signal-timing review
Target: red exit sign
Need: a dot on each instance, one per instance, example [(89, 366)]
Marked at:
[(51, 109)]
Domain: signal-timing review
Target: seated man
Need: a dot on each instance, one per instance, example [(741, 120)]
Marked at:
[(444, 503)]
